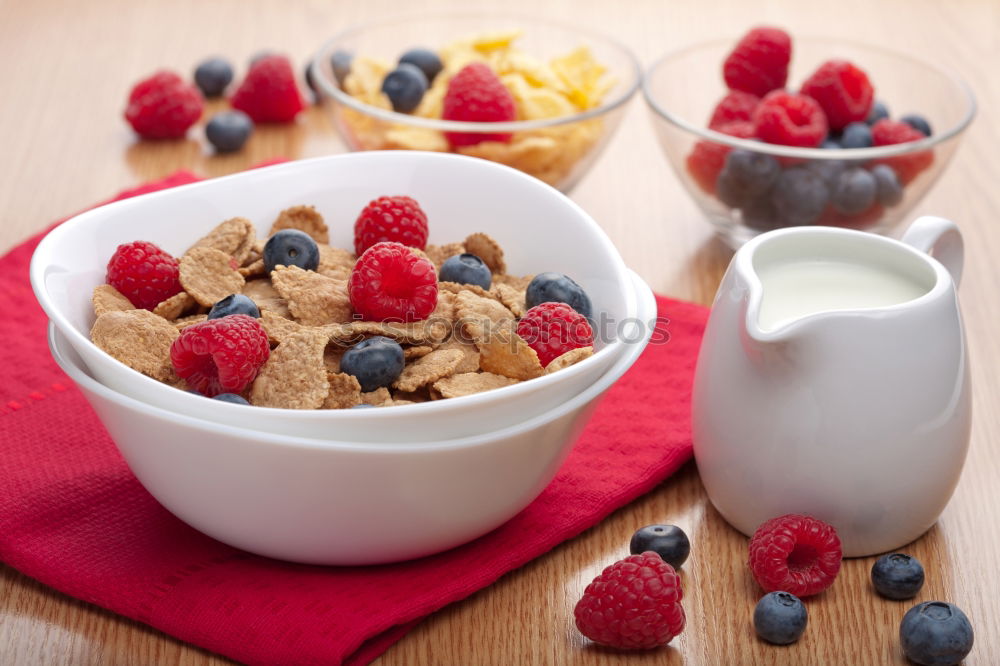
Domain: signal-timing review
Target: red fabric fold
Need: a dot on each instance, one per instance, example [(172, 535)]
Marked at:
[(74, 517)]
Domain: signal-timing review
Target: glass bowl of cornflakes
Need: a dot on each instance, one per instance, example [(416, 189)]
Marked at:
[(569, 87)]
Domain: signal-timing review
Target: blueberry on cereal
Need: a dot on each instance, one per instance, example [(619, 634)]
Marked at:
[(231, 397), (234, 304), (405, 87), (425, 60), (548, 287), (291, 247), (375, 362), (466, 269)]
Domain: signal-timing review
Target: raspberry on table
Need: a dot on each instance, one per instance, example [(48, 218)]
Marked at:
[(796, 554), (553, 328), (269, 93), (398, 219), (842, 90), (790, 120), (163, 106), (220, 355), (759, 62), (476, 94), (144, 274), (736, 106), (634, 604), (707, 158), (888, 132), (390, 282)]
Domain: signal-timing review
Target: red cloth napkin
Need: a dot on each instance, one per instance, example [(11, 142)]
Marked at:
[(73, 516)]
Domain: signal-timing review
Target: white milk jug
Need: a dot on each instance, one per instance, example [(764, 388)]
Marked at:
[(833, 381)]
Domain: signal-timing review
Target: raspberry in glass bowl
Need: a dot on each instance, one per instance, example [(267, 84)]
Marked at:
[(776, 130)]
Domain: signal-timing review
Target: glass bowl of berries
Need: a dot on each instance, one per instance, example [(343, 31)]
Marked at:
[(815, 131), (540, 96)]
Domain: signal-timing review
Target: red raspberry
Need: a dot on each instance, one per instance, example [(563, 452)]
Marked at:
[(163, 106), (790, 120), (759, 63), (843, 90), (736, 106), (634, 604), (476, 94), (398, 219), (890, 132), (391, 283), (795, 554), (268, 94), (144, 274), (707, 158), (220, 355), (552, 329)]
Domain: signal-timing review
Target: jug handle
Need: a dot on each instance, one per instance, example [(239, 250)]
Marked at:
[(941, 239)]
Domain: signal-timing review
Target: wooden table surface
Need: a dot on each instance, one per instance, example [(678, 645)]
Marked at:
[(65, 69)]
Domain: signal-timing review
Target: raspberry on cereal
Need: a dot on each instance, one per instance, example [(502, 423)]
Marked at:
[(220, 355), (269, 93), (144, 274), (759, 62), (842, 90), (736, 106), (390, 282), (554, 328), (790, 120), (708, 157), (476, 94), (163, 106), (399, 219)]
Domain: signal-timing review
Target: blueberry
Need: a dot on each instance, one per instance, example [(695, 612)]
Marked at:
[(854, 191), (546, 287), (890, 191), (340, 61), (745, 176), (760, 214), (667, 541), (936, 633), (799, 196), (828, 170), (780, 618), (466, 269), (362, 406), (405, 87), (877, 113), (234, 304), (856, 135), (830, 144), (212, 76), (227, 131), (425, 60), (918, 123), (231, 397), (897, 576), (374, 362), (291, 247)]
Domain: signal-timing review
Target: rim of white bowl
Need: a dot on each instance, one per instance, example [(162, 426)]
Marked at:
[(331, 89), (613, 374), (815, 153), (621, 271)]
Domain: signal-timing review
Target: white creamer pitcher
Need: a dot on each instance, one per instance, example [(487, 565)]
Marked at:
[(833, 381)]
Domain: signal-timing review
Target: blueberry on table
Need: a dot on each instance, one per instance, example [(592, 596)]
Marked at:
[(877, 113), (340, 62), (890, 190), (936, 633), (234, 304), (856, 135), (745, 176), (548, 287), (375, 362), (918, 123), (231, 397), (668, 541), (212, 76), (405, 87), (897, 576), (780, 618), (291, 247), (854, 192), (227, 131), (425, 60), (466, 269), (799, 196)]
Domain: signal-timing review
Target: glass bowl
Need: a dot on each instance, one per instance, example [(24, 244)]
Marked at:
[(697, 154), (557, 149)]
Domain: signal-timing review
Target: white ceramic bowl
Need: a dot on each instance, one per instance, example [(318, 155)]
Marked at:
[(326, 502), (540, 228)]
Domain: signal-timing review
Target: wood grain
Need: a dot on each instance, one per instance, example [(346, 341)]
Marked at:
[(66, 67)]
